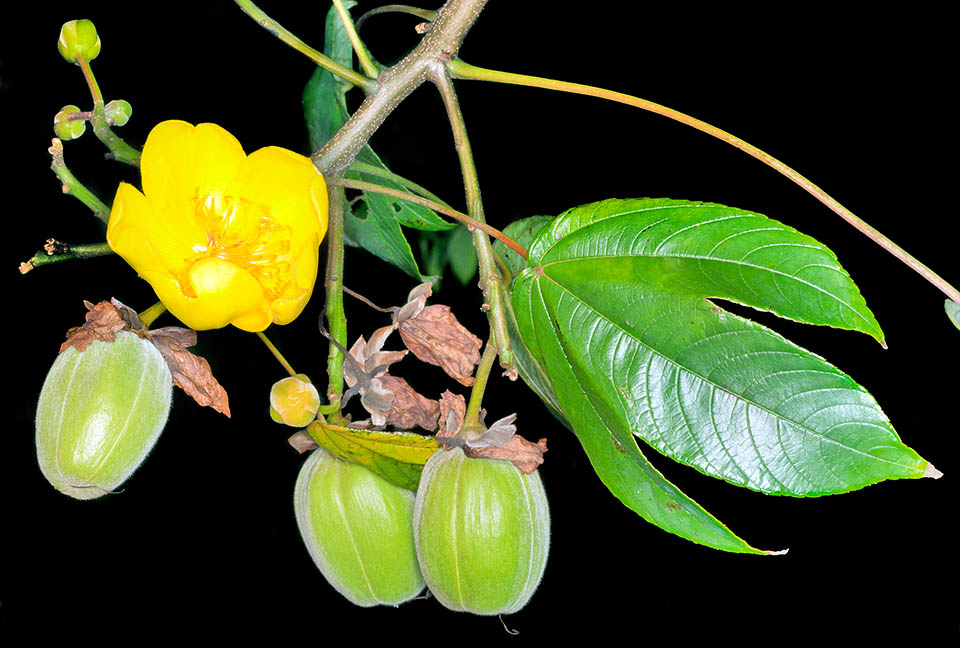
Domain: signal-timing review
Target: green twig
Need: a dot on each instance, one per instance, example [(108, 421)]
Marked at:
[(119, 150), (54, 252), (453, 213), (336, 317), (471, 419), (367, 84), (73, 186), (358, 47), (276, 353), (426, 14), (490, 279), (461, 70)]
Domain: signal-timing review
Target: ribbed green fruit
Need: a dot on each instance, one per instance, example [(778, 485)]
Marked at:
[(482, 530), (100, 412), (358, 528)]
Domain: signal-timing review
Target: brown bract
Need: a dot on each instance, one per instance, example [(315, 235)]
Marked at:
[(499, 441), (190, 372), (409, 408), (435, 336)]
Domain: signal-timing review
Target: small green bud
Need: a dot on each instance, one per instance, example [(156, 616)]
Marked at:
[(358, 528), (118, 112), (100, 412), (66, 128), (78, 38), (294, 401)]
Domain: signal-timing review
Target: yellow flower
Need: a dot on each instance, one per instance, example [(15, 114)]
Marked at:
[(223, 238)]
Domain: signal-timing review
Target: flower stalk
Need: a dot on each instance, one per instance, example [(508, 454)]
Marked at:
[(276, 353), (73, 186), (54, 252)]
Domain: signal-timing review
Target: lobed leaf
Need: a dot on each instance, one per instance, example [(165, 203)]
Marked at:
[(614, 308)]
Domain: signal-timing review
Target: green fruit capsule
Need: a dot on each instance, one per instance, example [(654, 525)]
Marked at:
[(100, 412), (358, 528), (482, 530)]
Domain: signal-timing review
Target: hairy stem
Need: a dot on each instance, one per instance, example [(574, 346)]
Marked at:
[(442, 42), (461, 70)]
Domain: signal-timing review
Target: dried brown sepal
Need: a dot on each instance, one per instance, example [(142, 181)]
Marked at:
[(523, 454), (409, 408), (301, 442), (436, 337), (103, 322), (190, 372), (453, 408)]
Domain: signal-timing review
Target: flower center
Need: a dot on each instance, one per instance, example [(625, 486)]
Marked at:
[(247, 235)]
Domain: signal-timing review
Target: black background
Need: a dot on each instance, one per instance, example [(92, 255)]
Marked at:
[(203, 536)]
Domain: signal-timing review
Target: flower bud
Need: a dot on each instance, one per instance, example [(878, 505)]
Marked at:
[(100, 412), (294, 401), (118, 112), (482, 530), (78, 38), (66, 128), (358, 528)]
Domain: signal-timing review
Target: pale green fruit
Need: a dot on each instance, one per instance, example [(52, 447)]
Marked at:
[(482, 530), (100, 412), (358, 528)]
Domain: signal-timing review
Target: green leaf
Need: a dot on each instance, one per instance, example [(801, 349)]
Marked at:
[(953, 311), (398, 457), (374, 222), (462, 256), (614, 308)]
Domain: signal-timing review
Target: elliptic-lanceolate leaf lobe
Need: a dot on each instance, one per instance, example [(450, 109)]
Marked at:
[(620, 290)]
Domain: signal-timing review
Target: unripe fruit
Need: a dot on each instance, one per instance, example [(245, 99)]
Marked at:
[(78, 38), (294, 401), (482, 530), (66, 128), (358, 528), (100, 413)]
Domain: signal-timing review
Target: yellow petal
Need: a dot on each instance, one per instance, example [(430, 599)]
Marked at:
[(224, 292), (134, 232), (289, 185), (182, 162)]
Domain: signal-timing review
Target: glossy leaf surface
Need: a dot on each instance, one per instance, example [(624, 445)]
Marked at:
[(614, 308)]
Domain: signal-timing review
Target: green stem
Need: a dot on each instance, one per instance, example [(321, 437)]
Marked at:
[(472, 417), (276, 353), (367, 84), (336, 317), (490, 280), (362, 54), (73, 186), (370, 169), (461, 70), (150, 315), (54, 252), (453, 213), (119, 150)]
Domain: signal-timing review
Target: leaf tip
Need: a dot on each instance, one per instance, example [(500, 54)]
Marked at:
[(931, 472), (781, 552)]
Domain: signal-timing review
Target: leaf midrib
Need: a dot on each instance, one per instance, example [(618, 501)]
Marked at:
[(778, 416)]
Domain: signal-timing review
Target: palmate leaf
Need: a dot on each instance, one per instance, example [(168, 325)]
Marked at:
[(614, 307)]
